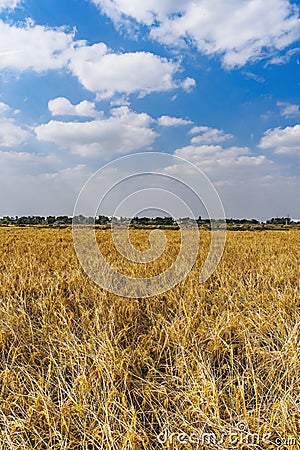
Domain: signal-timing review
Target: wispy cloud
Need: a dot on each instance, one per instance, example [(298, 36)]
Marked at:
[(288, 109)]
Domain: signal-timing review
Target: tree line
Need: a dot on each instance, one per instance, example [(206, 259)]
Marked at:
[(139, 221)]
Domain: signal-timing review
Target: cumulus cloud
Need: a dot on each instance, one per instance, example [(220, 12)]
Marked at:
[(219, 162), (282, 140), (34, 47), (146, 12), (168, 121), (123, 132), (288, 109), (11, 134), (238, 31), (39, 48), (62, 106), (240, 177), (188, 84), (207, 135), (108, 73), (3, 108)]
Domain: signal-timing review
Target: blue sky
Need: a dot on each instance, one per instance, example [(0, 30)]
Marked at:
[(86, 81)]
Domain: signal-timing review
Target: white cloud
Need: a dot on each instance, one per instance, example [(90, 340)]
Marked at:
[(3, 108), (9, 4), (122, 100), (240, 177), (36, 186), (255, 77), (168, 121), (208, 135), (188, 84), (34, 47), (123, 132), (237, 31), (282, 140), (288, 109), (108, 74), (216, 159), (145, 12), (231, 166), (11, 134), (285, 58), (40, 48), (62, 106), (16, 162)]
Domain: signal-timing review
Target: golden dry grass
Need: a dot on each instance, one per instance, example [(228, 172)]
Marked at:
[(83, 369)]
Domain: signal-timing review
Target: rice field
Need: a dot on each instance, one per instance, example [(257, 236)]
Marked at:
[(212, 365)]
